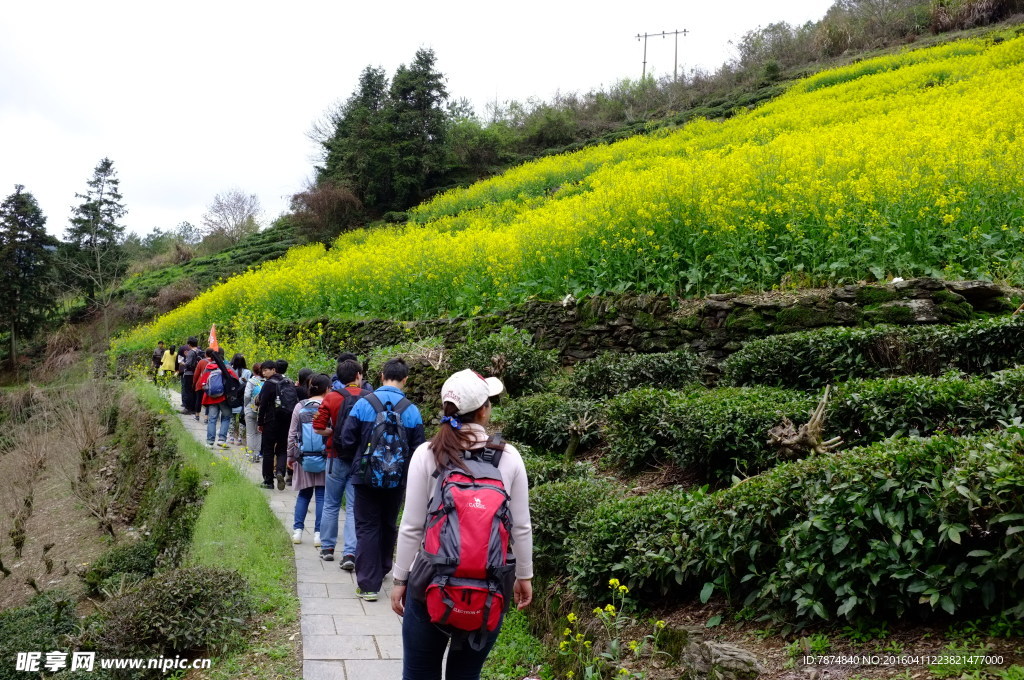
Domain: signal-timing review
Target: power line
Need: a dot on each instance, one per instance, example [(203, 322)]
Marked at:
[(663, 34)]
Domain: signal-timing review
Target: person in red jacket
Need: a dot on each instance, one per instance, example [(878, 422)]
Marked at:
[(196, 379), (211, 382)]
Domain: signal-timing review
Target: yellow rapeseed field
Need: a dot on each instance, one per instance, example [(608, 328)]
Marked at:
[(904, 165)]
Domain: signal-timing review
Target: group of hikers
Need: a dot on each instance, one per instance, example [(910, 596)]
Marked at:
[(464, 545)]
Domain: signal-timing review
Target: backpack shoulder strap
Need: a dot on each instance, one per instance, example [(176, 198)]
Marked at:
[(493, 450), (375, 402), (402, 405)]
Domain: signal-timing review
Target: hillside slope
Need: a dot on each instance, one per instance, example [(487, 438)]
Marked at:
[(904, 165)]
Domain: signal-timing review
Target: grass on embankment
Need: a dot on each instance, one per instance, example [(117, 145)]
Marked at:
[(237, 530)]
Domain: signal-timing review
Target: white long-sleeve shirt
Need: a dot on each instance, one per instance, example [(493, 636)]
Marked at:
[(422, 484)]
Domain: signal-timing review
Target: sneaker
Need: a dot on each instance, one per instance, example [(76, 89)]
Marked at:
[(316, 539), (197, 416), (222, 444), (348, 563), (367, 595), (267, 485), (297, 536), (288, 479), (280, 482), (327, 554), (210, 444)]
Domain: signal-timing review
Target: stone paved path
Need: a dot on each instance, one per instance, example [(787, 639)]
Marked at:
[(343, 637)]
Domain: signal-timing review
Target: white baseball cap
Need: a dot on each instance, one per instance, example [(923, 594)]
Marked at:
[(469, 390)]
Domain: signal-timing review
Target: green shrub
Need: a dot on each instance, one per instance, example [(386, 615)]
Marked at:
[(549, 421), (713, 431), (509, 354), (180, 611), (611, 373), (516, 652), (813, 358), (541, 468), (865, 411), (138, 558), (903, 527), (428, 370), (554, 508), (41, 625), (642, 541)]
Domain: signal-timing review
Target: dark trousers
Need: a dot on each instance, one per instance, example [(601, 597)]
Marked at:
[(376, 533), (188, 395), (275, 452), (424, 644)]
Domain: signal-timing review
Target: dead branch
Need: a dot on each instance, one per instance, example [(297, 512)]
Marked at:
[(796, 442)]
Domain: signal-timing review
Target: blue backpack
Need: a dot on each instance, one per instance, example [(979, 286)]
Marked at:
[(312, 446), (384, 462), (215, 384)]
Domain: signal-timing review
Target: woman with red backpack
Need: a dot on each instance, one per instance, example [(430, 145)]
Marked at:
[(214, 396), (482, 479)]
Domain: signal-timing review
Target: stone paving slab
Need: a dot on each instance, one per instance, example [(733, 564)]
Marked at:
[(374, 670), (343, 637)]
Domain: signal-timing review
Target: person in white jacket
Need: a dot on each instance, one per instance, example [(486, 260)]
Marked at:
[(467, 410), (250, 411)]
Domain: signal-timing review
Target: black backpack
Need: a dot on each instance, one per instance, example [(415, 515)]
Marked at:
[(287, 398), (348, 401), (192, 360), (384, 462)]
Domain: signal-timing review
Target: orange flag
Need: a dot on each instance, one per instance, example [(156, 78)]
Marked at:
[(213, 339)]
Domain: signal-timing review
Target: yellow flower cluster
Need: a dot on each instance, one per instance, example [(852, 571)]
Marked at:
[(902, 165)]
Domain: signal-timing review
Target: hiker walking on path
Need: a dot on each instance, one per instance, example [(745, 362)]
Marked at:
[(157, 359), (277, 401), (307, 458), (211, 386), (167, 366), (334, 410), (380, 434), (461, 452), (192, 357), (250, 408), (237, 435)]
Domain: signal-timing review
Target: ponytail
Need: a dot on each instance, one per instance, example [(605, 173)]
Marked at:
[(452, 439)]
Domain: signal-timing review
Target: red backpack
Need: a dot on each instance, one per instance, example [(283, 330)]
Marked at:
[(465, 570)]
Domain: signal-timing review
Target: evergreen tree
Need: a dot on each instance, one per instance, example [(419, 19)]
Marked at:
[(95, 256), (358, 153), (419, 117), (27, 261), (389, 142)]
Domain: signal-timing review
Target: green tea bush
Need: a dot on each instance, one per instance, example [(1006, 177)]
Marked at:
[(41, 625), (814, 358), (509, 354), (611, 373), (713, 431), (176, 612), (554, 508), (865, 411), (641, 540), (909, 527), (549, 421), (134, 560), (542, 468), (427, 370), (905, 527)]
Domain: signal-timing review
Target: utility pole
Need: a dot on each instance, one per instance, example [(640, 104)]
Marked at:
[(663, 34)]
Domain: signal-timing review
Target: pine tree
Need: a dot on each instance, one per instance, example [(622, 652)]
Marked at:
[(418, 113), (359, 153), (94, 239), (27, 262)]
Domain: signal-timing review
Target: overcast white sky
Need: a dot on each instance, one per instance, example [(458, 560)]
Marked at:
[(190, 99)]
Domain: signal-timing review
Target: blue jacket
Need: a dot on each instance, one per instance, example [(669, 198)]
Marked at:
[(358, 427)]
